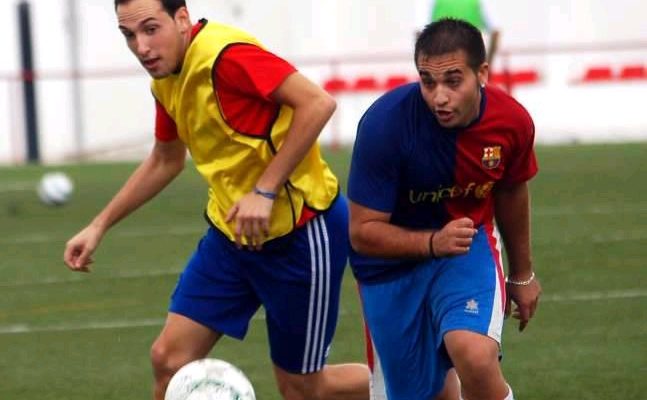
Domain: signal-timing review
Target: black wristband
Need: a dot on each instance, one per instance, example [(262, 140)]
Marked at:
[(267, 195), (432, 253)]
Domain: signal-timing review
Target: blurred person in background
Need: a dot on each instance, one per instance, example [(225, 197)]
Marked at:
[(477, 12), (438, 177), (278, 224)]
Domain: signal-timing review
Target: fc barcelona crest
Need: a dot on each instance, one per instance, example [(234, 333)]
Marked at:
[(491, 157)]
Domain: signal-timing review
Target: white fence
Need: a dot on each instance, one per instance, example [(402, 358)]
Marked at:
[(557, 38)]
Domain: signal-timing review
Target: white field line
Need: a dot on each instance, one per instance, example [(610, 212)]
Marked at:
[(139, 323), (635, 209), (80, 278), (118, 324), (96, 325), (17, 186), (593, 296), (135, 232), (635, 235), (600, 209)]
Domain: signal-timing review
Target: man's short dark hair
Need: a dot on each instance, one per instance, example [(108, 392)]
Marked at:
[(448, 35), (170, 6)]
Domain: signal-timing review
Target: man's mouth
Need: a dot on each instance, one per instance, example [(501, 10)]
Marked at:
[(150, 63), (444, 115)]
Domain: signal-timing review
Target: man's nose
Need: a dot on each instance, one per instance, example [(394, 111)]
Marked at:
[(440, 97), (142, 46)]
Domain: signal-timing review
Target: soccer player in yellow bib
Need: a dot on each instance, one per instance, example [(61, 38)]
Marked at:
[(278, 224)]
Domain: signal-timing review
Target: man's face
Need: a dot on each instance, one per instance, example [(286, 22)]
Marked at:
[(158, 40), (451, 88)]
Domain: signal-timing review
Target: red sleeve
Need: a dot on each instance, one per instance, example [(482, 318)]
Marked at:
[(524, 165), (165, 129), (250, 70)]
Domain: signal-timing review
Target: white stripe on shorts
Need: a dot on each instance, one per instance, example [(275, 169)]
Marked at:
[(496, 321), (377, 388), (326, 253), (313, 355)]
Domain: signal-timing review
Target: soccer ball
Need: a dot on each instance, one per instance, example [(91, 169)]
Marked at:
[(209, 379), (55, 188)]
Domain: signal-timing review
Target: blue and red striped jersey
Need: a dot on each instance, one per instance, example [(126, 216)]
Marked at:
[(406, 164)]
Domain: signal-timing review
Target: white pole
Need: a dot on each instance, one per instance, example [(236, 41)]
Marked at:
[(75, 66)]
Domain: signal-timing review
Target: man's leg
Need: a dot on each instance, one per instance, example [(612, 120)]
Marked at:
[(452, 388), (476, 358), (468, 300), (407, 360), (180, 342), (334, 382)]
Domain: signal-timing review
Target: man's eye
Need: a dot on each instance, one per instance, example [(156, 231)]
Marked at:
[(454, 82), (150, 30)]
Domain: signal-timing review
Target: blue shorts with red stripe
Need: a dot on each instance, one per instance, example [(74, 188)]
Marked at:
[(408, 317), (296, 278)]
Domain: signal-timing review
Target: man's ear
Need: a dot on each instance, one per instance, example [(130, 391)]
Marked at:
[(183, 19), (483, 73)]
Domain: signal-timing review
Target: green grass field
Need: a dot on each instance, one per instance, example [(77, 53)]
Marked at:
[(68, 336)]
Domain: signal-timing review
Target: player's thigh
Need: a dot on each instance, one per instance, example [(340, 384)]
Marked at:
[(404, 342), (296, 385), (182, 340), (469, 292), (214, 289), (471, 351), (452, 388), (299, 287)]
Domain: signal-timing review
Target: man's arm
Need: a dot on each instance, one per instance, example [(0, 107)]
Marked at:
[(512, 213), (312, 108), (372, 234), (164, 163)]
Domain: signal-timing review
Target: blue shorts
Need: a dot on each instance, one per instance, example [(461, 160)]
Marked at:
[(296, 278), (408, 317)]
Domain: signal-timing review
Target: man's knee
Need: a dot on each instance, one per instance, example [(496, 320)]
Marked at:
[(159, 355), (299, 391), (472, 354), (165, 362), (300, 387)]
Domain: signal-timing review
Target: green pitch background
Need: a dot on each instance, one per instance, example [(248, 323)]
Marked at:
[(68, 336)]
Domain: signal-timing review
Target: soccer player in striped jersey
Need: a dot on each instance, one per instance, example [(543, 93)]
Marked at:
[(278, 224), (439, 168)]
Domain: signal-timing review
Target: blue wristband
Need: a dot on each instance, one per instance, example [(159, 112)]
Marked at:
[(267, 195)]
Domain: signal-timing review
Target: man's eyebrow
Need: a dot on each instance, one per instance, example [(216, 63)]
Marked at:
[(453, 72), (144, 22)]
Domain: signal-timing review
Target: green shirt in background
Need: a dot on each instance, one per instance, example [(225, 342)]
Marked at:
[(468, 10)]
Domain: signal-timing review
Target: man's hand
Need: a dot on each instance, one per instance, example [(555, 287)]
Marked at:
[(455, 238), (79, 249), (525, 298), (252, 215)]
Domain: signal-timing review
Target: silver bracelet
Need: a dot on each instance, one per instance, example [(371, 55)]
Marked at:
[(521, 283)]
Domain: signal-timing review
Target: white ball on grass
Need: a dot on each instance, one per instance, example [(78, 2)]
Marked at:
[(209, 379), (55, 188)]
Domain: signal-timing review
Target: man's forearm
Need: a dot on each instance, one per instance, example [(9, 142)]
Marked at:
[(149, 179), (312, 109), (381, 239), (512, 213), (304, 131)]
